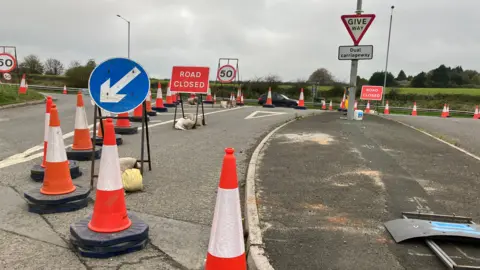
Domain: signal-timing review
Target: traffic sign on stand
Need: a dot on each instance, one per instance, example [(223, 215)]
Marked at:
[(190, 80), (118, 85), (357, 25), (371, 92), (7, 62), (361, 52), (226, 74)]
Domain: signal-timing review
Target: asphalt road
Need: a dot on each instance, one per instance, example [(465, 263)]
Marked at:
[(462, 132), (177, 202), (326, 186)]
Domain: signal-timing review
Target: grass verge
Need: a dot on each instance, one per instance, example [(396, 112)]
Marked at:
[(9, 95)]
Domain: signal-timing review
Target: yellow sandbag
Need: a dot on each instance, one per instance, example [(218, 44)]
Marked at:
[(132, 180)]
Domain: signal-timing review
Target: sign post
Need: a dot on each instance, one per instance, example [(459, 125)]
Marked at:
[(357, 25), (227, 72), (193, 80), (119, 85)]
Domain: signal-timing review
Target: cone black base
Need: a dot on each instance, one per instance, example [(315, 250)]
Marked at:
[(126, 130), (268, 106), (138, 118), (46, 204), (300, 108), (173, 105), (37, 172), (104, 245), (83, 155), (240, 104), (152, 113), (164, 109), (207, 102), (99, 140)]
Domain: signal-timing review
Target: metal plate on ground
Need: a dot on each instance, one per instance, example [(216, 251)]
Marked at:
[(405, 229)]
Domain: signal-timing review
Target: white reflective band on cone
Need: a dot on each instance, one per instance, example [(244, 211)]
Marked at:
[(269, 94), (47, 126), (226, 237), (301, 95), (110, 175), (81, 119), (56, 147)]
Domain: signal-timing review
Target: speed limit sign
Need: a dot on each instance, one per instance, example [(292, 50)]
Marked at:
[(7, 62), (226, 73), (7, 76)]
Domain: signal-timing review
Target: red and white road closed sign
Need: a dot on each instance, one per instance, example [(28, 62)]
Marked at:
[(190, 80), (371, 92)]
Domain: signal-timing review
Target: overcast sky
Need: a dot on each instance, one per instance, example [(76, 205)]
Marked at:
[(289, 38)]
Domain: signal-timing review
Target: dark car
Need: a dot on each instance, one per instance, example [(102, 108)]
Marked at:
[(278, 100)]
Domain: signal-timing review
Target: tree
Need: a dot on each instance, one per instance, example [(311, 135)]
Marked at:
[(401, 76), (361, 81), (420, 80), (440, 77), (31, 65), (53, 67), (77, 76), (378, 77), (74, 64), (321, 76)]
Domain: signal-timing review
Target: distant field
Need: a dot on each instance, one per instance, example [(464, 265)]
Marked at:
[(445, 91)]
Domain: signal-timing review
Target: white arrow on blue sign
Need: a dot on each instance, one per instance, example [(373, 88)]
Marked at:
[(118, 85)]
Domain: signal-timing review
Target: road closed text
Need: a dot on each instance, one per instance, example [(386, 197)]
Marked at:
[(190, 79), (371, 92)]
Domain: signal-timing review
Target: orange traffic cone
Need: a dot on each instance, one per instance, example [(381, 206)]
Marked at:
[(64, 89), (476, 115), (123, 125), (23, 87), (268, 103), (444, 111), (214, 98), (414, 110), (355, 105), (241, 100), (301, 102), (38, 171), (137, 114), (171, 99), (324, 105), (226, 249), (82, 147), (239, 97), (330, 107), (208, 99), (148, 102), (159, 107), (367, 109), (99, 137), (386, 110), (448, 110), (342, 105), (109, 211)]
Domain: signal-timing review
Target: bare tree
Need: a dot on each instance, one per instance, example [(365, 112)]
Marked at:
[(321, 76), (53, 67), (31, 65), (74, 64)]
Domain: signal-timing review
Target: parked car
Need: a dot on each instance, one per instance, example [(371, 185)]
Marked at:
[(278, 100)]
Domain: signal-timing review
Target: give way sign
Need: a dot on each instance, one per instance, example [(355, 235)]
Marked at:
[(357, 25)]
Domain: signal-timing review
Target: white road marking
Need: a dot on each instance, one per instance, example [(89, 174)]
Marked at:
[(268, 113), (27, 154)]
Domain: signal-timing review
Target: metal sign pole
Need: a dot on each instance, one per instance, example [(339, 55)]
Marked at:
[(353, 77)]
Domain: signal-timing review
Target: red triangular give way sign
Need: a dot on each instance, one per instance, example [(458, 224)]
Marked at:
[(357, 25)]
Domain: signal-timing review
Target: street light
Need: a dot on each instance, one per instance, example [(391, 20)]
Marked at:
[(388, 51), (128, 33)]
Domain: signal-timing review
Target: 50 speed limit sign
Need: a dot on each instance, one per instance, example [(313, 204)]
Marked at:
[(226, 73), (7, 62)]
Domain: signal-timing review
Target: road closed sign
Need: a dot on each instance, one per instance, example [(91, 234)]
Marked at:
[(371, 92), (190, 79)]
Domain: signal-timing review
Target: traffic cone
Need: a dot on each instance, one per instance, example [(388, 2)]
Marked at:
[(414, 110), (148, 102), (64, 89), (301, 102), (342, 105), (355, 105), (99, 137), (137, 114), (47, 125), (330, 107), (159, 107), (123, 126), (239, 100), (109, 211), (324, 105), (208, 100), (111, 230), (26, 85), (23, 87), (444, 111), (476, 115), (171, 99), (226, 248), (82, 147), (386, 110), (214, 98), (367, 109), (448, 110), (268, 103)]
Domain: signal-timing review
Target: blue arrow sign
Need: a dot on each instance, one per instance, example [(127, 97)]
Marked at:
[(118, 85)]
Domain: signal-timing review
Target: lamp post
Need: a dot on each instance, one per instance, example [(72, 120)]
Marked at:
[(388, 51), (128, 33)]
